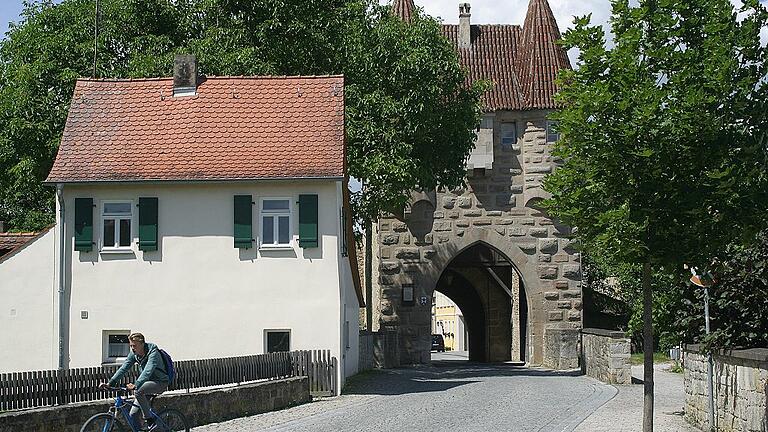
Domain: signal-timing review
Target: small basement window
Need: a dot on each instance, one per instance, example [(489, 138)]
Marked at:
[(276, 222), (278, 340), (116, 347), (116, 219)]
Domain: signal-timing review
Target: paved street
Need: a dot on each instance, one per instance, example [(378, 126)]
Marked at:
[(451, 395), (456, 395)]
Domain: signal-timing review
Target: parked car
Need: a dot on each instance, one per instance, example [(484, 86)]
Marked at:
[(438, 343)]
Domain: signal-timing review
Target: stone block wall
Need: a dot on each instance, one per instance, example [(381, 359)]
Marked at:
[(498, 207), (201, 407), (605, 356), (740, 387)]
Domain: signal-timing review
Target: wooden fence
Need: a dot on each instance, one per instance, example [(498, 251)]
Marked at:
[(20, 390)]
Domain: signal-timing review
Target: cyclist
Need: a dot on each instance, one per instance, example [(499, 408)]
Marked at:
[(152, 380)]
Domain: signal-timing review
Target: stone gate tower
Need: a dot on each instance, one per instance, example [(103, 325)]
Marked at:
[(511, 269)]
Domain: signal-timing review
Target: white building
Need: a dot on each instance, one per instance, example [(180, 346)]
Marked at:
[(210, 215)]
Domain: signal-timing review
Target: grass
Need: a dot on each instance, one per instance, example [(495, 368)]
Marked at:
[(637, 358)]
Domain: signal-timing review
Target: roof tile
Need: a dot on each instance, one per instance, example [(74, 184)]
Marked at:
[(233, 128)]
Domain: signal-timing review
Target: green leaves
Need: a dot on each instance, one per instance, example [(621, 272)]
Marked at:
[(410, 117)]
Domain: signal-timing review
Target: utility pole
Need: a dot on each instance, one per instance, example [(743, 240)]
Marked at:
[(95, 37)]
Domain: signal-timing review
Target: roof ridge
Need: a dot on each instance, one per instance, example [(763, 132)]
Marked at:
[(213, 77)]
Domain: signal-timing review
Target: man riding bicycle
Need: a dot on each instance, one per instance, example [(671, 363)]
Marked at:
[(153, 378)]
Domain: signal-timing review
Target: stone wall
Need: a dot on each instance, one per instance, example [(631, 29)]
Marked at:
[(379, 350), (201, 407), (605, 356), (740, 387), (499, 208)]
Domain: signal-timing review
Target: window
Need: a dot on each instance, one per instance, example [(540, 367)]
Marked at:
[(278, 340), (508, 135), (116, 347), (275, 222), (552, 133), (116, 219)]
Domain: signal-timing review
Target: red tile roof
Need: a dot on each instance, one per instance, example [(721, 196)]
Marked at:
[(234, 128), (403, 9), (492, 57), (541, 58), (11, 242), (521, 62)]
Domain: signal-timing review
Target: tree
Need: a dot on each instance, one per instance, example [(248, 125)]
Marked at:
[(410, 116), (663, 138)]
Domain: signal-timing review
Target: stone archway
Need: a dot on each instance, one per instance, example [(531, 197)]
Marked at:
[(445, 253), (412, 253), (488, 289)]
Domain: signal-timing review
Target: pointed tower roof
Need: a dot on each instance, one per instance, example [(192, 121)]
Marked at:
[(403, 9), (540, 57)]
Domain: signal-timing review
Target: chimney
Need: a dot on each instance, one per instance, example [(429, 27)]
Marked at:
[(465, 34), (184, 75)]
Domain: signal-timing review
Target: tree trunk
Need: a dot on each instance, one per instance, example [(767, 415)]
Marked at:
[(647, 349), (368, 275)]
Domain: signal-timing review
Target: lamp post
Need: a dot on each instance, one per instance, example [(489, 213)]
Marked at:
[(705, 281)]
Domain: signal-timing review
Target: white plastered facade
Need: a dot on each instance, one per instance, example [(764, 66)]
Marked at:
[(198, 296)]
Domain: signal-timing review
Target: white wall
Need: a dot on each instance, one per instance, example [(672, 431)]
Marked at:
[(27, 320), (198, 296)]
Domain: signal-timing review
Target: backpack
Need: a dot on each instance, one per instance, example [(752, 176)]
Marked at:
[(168, 362)]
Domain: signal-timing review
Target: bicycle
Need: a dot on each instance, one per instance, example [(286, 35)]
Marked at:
[(167, 420)]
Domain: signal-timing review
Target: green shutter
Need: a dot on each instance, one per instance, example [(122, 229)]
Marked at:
[(308, 221), (243, 221), (84, 224), (148, 224)]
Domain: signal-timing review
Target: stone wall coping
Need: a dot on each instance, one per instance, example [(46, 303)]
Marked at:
[(614, 334), (754, 354)]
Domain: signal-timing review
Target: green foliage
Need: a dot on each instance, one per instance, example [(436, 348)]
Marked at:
[(410, 118), (663, 135), (664, 144), (738, 299)]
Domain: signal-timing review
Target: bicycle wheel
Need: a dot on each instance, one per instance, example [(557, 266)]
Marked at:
[(102, 423), (173, 420)]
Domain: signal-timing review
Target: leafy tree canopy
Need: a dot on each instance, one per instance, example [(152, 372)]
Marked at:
[(410, 116), (664, 134)]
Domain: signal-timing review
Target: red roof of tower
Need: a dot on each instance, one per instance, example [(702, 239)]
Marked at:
[(521, 62)]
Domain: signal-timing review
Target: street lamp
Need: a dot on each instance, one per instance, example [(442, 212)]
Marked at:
[(705, 281)]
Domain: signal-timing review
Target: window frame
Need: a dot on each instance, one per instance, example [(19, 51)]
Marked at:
[(105, 357), (550, 124), (276, 330), (103, 217), (276, 226)]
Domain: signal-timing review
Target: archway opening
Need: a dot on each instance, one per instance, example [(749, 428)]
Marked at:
[(487, 290)]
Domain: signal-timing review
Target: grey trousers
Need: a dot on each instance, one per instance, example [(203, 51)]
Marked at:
[(148, 388)]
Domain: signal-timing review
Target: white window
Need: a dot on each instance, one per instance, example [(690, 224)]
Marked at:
[(277, 340), (116, 347), (552, 133), (508, 135), (116, 221), (276, 222)]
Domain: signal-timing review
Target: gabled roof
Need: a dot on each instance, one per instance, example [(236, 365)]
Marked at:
[(521, 62), (233, 128)]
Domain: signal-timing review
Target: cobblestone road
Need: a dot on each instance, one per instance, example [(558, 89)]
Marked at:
[(445, 396)]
